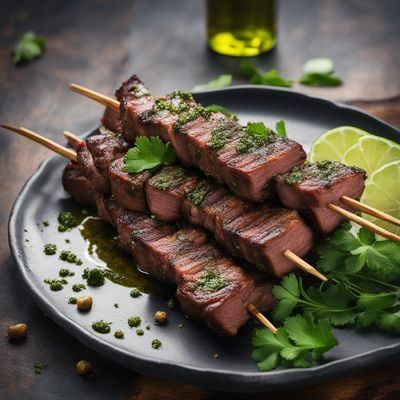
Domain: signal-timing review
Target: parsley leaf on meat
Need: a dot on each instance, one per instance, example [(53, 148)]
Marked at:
[(281, 128), (258, 130), (148, 153), (29, 47), (292, 343), (221, 109), (218, 82)]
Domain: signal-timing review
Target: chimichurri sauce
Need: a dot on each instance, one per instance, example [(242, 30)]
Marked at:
[(102, 248)]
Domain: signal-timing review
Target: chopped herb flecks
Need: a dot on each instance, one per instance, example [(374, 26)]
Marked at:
[(119, 334), (197, 195), (169, 179), (56, 284), (94, 277), (139, 332), (134, 321), (72, 300), (64, 272), (67, 221), (101, 326), (50, 249), (77, 287), (156, 344), (135, 292), (211, 280)]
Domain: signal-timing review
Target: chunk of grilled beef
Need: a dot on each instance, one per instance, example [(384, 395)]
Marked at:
[(219, 294), (128, 189), (179, 256), (246, 165), (311, 187), (77, 185), (111, 120), (166, 190), (95, 155), (259, 234)]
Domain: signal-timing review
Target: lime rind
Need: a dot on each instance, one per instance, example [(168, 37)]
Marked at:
[(382, 191), (334, 143), (371, 152)]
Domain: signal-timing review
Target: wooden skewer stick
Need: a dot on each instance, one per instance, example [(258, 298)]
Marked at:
[(50, 144), (303, 265), (251, 308), (100, 98), (299, 262), (363, 222), (370, 210), (255, 312), (113, 103)]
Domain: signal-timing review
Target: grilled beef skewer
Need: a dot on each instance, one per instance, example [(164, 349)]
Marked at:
[(210, 286), (216, 144), (258, 233), (134, 96)]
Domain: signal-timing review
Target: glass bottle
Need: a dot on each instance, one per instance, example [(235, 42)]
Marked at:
[(242, 28)]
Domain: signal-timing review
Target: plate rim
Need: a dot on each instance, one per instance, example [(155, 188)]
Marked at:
[(212, 378)]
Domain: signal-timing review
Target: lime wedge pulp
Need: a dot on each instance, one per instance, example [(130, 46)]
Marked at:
[(382, 191), (371, 152), (334, 143)]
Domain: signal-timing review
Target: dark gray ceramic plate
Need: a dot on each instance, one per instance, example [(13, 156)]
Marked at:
[(187, 354)]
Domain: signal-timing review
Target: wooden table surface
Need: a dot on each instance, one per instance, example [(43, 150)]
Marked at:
[(98, 43)]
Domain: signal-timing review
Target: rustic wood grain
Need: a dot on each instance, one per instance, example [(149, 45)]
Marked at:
[(97, 43)]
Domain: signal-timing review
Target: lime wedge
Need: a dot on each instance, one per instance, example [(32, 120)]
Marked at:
[(371, 152), (322, 66), (334, 143), (382, 191)]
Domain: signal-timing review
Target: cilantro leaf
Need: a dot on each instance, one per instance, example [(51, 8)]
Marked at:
[(29, 47), (221, 109), (291, 344), (258, 130), (218, 82), (319, 72), (258, 77), (148, 153), (281, 128)]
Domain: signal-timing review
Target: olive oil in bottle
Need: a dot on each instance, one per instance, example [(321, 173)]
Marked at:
[(242, 28)]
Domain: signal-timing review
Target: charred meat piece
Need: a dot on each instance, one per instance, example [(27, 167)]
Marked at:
[(95, 156), (312, 186), (263, 234), (77, 185), (128, 189), (178, 252), (219, 294), (111, 120), (166, 190), (219, 146)]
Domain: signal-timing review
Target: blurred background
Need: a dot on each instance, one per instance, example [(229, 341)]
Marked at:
[(99, 43)]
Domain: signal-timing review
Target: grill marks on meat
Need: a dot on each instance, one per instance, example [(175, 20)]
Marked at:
[(311, 187), (223, 309), (166, 190), (259, 234), (246, 174), (211, 286), (95, 156), (128, 189)]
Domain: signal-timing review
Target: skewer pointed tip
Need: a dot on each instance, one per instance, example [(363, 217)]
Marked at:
[(256, 313)]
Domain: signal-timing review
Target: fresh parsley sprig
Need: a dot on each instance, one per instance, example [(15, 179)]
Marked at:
[(360, 252), (148, 153), (319, 72), (349, 300), (281, 128), (293, 343), (29, 47)]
